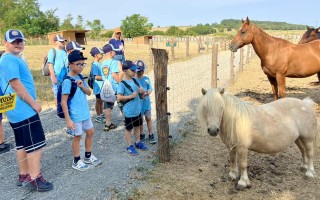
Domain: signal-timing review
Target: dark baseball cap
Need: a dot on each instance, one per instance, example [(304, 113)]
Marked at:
[(76, 55)]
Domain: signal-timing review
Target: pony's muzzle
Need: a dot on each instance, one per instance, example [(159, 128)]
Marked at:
[(233, 47), (213, 131)]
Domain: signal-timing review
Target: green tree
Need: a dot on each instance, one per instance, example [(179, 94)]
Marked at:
[(80, 23), (67, 23), (96, 28), (135, 25), (174, 31)]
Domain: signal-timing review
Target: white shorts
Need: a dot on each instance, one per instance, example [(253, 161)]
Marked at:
[(82, 127)]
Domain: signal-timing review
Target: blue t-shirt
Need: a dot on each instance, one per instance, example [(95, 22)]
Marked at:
[(108, 67), (145, 83), (133, 107), (13, 67), (79, 107), (117, 46), (96, 71), (60, 61)]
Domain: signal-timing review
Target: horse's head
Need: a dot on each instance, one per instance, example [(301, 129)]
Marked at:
[(210, 110), (310, 35), (243, 37)]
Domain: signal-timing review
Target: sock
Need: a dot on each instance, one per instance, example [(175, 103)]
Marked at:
[(87, 154), (76, 159)]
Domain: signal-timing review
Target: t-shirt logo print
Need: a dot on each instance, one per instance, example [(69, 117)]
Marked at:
[(106, 71)]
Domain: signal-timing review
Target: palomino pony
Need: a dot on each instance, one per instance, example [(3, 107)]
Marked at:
[(267, 128), (279, 58), (310, 35)]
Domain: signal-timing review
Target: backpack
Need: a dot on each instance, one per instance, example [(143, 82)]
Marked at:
[(45, 66), (107, 93), (122, 103), (91, 79), (72, 92)]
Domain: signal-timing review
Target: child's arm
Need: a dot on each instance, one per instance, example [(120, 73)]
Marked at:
[(120, 97), (86, 90), (64, 105)]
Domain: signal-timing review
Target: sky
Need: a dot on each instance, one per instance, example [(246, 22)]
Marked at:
[(165, 13)]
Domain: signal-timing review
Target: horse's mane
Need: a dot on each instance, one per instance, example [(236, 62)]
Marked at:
[(235, 122), (267, 35)]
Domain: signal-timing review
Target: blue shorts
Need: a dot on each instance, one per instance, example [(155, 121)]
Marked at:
[(29, 134), (0, 116), (98, 96), (108, 105), (82, 127), (55, 90)]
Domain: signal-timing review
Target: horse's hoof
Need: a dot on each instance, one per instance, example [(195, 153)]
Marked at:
[(240, 187), (233, 175), (303, 169), (309, 175)]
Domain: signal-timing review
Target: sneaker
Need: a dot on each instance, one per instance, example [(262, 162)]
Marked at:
[(99, 120), (141, 146), (92, 160), (108, 128), (22, 178), (142, 136), (132, 151), (4, 148), (39, 184), (152, 140), (80, 166)]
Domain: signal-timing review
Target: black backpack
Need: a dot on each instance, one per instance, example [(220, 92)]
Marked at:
[(72, 92), (91, 79), (122, 103)]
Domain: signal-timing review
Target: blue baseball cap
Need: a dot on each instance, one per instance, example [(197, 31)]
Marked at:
[(95, 50), (107, 48), (128, 64), (59, 38), (76, 55), (141, 65), (74, 45), (12, 35)]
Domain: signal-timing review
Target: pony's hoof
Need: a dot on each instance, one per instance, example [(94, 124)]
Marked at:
[(310, 174), (303, 169), (242, 184), (233, 175)]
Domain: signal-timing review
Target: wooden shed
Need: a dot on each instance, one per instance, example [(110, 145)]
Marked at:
[(142, 39), (70, 35)]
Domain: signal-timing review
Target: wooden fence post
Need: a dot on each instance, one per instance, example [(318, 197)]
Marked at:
[(160, 85), (248, 53), (214, 65), (187, 47), (172, 49), (241, 60), (232, 68)]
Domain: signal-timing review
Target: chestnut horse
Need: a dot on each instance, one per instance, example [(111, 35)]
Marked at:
[(279, 58), (310, 35), (268, 128)]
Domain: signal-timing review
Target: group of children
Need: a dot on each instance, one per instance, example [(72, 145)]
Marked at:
[(131, 86)]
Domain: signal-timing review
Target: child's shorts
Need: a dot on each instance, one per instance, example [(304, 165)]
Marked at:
[(98, 96), (147, 113), (29, 134), (131, 122), (82, 127), (0, 117), (107, 105)]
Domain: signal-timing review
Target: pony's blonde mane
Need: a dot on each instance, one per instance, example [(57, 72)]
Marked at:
[(235, 122)]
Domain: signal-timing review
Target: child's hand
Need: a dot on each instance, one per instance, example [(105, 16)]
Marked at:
[(141, 90), (70, 125), (134, 94), (80, 83)]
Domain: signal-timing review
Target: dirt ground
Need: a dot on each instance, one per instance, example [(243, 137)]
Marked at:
[(199, 163)]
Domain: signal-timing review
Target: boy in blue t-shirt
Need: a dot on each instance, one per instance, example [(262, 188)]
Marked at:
[(96, 72), (132, 109), (145, 83), (78, 117)]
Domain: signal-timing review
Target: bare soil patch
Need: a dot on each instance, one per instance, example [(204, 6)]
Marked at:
[(199, 163)]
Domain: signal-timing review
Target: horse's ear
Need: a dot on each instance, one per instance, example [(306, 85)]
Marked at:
[(204, 92), (221, 90), (308, 28), (247, 20)]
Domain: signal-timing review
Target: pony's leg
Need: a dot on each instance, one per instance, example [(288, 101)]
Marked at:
[(300, 145), (274, 86), (281, 80), (309, 150), (242, 155), (233, 174)]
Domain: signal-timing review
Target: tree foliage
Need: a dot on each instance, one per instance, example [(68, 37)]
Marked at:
[(26, 16), (135, 25), (67, 23), (96, 28)]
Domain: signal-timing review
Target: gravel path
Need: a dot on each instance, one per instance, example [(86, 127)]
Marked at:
[(119, 173)]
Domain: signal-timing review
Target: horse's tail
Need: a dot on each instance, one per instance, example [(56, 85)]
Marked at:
[(309, 101), (316, 142)]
